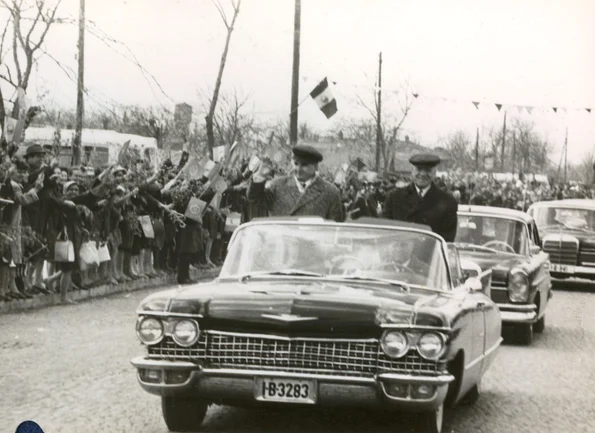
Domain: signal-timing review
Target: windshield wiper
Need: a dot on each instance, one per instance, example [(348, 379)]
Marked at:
[(290, 272), (395, 283)]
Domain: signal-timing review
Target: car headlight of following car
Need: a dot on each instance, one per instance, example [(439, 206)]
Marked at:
[(149, 330), (518, 286), (431, 345), (395, 344), (186, 332)]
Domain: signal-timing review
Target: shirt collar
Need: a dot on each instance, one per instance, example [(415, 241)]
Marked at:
[(423, 192), (307, 183)]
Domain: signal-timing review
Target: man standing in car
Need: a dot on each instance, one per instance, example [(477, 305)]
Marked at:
[(422, 202), (302, 193)]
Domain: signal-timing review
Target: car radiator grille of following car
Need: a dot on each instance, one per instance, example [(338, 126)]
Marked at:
[(562, 252), (587, 256), (354, 358)]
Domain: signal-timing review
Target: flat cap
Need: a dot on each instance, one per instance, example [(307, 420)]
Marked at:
[(34, 149), (307, 153), (425, 160)]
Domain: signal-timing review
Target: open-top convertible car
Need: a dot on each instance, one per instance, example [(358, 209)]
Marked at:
[(506, 241), (567, 230), (313, 312)]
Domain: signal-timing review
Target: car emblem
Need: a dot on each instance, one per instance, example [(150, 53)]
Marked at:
[(288, 317)]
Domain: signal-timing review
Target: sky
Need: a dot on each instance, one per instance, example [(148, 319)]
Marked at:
[(518, 52)]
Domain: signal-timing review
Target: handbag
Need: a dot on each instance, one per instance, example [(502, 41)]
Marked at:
[(88, 255), (195, 209), (103, 253), (147, 226), (64, 249), (233, 221)]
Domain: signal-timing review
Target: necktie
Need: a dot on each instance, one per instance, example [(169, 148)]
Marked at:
[(303, 185)]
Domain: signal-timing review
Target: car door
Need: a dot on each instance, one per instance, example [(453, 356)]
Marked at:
[(541, 274), (473, 304)]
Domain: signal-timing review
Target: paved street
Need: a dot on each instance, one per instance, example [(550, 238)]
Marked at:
[(68, 369)]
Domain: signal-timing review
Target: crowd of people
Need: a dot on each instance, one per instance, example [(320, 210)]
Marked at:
[(65, 229)]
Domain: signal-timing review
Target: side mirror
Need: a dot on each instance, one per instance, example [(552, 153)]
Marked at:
[(534, 250), (473, 284)]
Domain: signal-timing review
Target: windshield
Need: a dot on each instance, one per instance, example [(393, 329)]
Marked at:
[(493, 233), (338, 251), (554, 217)]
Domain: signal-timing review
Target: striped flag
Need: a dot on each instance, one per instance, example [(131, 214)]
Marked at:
[(324, 98)]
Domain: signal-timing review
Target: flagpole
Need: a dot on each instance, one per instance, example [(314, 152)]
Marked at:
[(379, 114), (295, 82)]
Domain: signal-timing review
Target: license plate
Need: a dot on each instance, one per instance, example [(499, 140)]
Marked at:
[(285, 390), (567, 269)]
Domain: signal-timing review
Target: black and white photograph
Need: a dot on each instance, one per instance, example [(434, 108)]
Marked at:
[(291, 216)]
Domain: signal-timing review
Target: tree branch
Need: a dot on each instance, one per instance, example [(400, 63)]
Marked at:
[(221, 12), (48, 22), (35, 21)]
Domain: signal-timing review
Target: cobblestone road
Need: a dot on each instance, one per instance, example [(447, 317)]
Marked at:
[(68, 369)]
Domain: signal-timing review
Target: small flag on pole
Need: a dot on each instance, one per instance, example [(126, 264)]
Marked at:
[(324, 98)]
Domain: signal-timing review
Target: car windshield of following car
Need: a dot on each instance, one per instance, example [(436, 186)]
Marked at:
[(492, 234), (398, 257), (553, 217)]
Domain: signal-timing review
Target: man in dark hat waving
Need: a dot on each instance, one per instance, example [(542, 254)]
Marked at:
[(303, 192), (422, 201)]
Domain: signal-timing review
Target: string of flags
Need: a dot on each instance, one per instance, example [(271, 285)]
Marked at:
[(327, 103), (520, 108)]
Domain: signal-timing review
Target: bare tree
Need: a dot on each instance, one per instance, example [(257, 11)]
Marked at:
[(459, 148), (393, 114), (585, 169), (229, 24), (28, 34)]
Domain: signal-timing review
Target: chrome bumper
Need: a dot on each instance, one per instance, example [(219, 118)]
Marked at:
[(513, 313), (238, 385), (578, 270)]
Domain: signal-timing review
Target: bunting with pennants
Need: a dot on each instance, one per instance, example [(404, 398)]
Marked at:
[(507, 107)]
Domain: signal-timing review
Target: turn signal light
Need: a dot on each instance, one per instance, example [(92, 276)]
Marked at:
[(151, 376)]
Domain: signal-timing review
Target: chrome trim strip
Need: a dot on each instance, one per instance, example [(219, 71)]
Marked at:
[(494, 347), (143, 362), (285, 338), (443, 379), (415, 327), (485, 355), (168, 314), (259, 373), (517, 308), (518, 317), (474, 362)]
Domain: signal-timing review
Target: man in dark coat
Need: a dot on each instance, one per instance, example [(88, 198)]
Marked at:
[(302, 193), (422, 202)]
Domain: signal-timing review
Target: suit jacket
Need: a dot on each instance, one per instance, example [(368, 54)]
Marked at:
[(437, 209), (283, 198)]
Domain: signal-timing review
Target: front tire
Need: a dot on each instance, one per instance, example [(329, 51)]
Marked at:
[(539, 326), (432, 421), (183, 414)]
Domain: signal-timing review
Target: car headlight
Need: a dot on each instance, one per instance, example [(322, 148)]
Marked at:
[(185, 332), (394, 344), (149, 330), (518, 286), (431, 345)]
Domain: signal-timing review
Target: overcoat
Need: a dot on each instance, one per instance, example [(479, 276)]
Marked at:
[(437, 209), (283, 198)]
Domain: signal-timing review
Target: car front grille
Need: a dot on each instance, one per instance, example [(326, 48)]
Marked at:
[(354, 358), (587, 256), (562, 252)]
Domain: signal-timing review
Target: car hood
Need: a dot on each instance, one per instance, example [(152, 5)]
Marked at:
[(306, 304), (500, 263)]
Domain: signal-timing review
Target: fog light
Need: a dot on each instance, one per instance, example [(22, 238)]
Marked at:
[(423, 391), (151, 376), (176, 377), (400, 390)]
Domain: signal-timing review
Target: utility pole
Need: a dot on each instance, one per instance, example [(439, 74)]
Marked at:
[(513, 153), (379, 114), (295, 78), (566, 156), (477, 150), (503, 144), (77, 139)]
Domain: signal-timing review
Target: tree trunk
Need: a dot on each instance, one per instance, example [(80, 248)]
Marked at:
[(213, 106)]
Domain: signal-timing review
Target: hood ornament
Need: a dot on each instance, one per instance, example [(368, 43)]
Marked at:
[(288, 317)]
